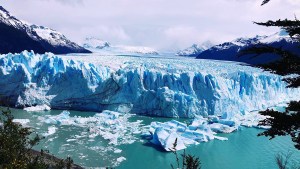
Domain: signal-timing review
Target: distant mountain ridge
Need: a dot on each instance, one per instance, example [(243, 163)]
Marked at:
[(195, 49), (17, 35), (99, 46), (96, 43), (229, 51)]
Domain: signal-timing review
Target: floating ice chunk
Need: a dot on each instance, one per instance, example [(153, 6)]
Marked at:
[(160, 135), (108, 115), (71, 140), (229, 123), (221, 128), (165, 134), (121, 159), (181, 127), (38, 108), (166, 138), (221, 138), (23, 122), (61, 119), (51, 131), (262, 127), (171, 139), (197, 122), (117, 151)]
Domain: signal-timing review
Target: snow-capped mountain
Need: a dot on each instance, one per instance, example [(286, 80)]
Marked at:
[(17, 35), (95, 43), (230, 50), (195, 49), (99, 46)]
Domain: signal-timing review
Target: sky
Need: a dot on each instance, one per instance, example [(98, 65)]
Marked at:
[(160, 24)]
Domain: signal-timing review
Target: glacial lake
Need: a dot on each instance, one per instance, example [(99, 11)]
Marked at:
[(243, 149)]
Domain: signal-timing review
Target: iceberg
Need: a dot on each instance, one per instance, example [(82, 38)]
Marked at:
[(199, 130), (174, 135), (61, 119), (37, 108), (51, 131), (23, 122), (153, 86)]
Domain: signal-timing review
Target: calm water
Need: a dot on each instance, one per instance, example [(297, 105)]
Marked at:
[(243, 150)]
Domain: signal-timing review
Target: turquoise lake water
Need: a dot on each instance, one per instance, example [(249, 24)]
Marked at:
[(243, 150)]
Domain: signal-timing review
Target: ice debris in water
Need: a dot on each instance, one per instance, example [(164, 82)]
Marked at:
[(23, 122), (119, 160), (38, 108), (51, 131), (199, 130), (112, 126)]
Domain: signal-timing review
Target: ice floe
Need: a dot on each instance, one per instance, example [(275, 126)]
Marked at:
[(23, 122), (199, 130), (38, 108)]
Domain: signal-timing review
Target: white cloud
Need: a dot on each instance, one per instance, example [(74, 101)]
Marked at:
[(155, 23)]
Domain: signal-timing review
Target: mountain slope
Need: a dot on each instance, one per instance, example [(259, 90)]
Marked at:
[(17, 36), (15, 40), (195, 49), (230, 50)]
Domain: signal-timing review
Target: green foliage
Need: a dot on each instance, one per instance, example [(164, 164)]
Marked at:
[(287, 123), (16, 143), (265, 2), (67, 163), (291, 26), (188, 161), (38, 162), (283, 124), (191, 162)]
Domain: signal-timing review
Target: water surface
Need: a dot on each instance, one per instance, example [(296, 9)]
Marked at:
[(243, 149)]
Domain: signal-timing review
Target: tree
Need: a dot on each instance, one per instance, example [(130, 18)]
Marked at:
[(188, 161), (16, 143), (287, 123), (282, 124)]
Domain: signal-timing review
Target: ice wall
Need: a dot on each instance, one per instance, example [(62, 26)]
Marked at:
[(29, 79)]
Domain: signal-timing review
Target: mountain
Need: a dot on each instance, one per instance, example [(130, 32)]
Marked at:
[(195, 49), (17, 35), (95, 43), (99, 46), (230, 50)]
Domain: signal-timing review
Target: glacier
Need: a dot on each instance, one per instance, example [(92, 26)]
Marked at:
[(150, 85)]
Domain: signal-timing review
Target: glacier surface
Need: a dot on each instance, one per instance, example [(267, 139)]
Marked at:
[(150, 85)]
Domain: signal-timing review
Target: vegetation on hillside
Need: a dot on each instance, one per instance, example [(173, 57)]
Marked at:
[(16, 148)]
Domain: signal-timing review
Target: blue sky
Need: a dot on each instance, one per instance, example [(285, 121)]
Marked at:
[(161, 24)]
